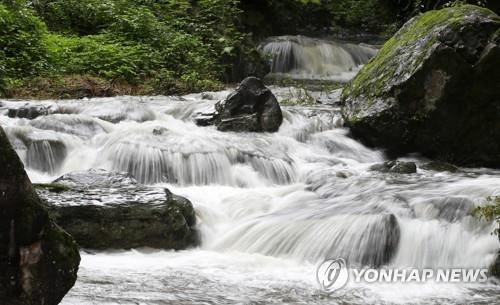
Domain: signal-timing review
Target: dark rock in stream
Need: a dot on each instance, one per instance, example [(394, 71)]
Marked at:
[(384, 241), (110, 210), (251, 107), (440, 167), (38, 260), (396, 167), (434, 89), (29, 112), (495, 268), (45, 155)]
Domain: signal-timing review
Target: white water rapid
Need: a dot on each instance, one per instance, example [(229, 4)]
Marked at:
[(301, 57), (270, 207)]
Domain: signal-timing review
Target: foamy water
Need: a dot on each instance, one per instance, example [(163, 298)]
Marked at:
[(270, 207)]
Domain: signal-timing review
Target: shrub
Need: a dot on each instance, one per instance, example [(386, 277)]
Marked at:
[(23, 52), (490, 212), (82, 17), (101, 55)]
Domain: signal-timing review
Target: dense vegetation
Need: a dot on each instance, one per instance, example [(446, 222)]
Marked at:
[(48, 47), (163, 46)]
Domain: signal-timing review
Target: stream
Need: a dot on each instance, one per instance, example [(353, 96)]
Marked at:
[(270, 207)]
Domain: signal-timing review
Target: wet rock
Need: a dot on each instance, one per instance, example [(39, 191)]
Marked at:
[(160, 131), (433, 88), (495, 268), (207, 96), (332, 98), (38, 260), (451, 209), (29, 112), (396, 167), (205, 119), (40, 150), (440, 167), (79, 125), (46, 155), (94, 179), (382, 250), (343, 174), (110, 210), (251, 107)]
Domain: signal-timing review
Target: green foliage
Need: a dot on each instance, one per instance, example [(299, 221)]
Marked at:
[(490, 212), (171, 45), (23, 52), (371, 81), (81, 17), (137, 41), (100, 55)]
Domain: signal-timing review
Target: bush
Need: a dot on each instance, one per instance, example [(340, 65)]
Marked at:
[(23, 52), (490, 212), (82, 17), (101, 55)]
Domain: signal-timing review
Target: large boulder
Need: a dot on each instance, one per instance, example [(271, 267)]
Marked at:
[(251, 107), (433, 88), (110, 210), (38, 260)]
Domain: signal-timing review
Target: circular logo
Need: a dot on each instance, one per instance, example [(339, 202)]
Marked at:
[(332, 274)]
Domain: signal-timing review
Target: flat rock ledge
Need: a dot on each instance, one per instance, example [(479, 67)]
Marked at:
[(110, 210)]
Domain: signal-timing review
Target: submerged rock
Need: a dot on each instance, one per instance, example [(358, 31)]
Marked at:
[(449, 208), (384, 241), (29, 112), (396, 167), (46, 155), (433, 88), (38, 260), (440, 167), (252, 107), (110, 210), (40, 150)]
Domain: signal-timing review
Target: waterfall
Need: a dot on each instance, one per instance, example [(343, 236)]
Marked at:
[(301, 57), (270, 206)]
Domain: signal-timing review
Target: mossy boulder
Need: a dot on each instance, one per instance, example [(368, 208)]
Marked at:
[(110, 210), (433, 88), (38, 260)]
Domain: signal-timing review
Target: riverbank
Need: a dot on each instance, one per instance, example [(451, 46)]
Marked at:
[(88, 86)]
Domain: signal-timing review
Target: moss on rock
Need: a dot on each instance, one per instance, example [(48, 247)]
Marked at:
[(433, 88)]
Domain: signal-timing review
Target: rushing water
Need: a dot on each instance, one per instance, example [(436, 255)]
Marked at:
[(301, 57), (270, 207)]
